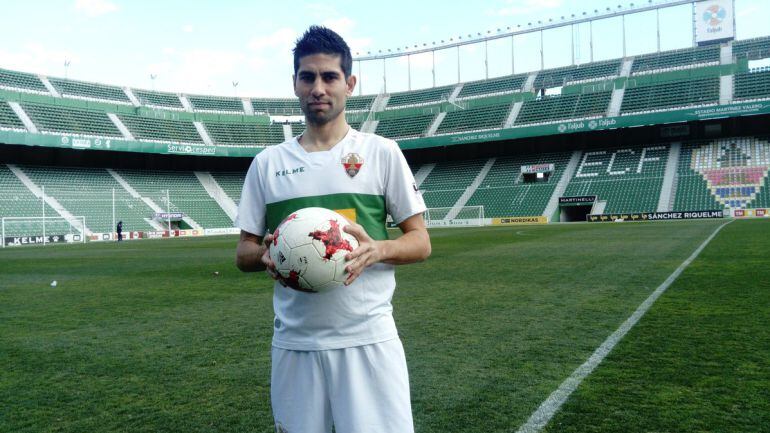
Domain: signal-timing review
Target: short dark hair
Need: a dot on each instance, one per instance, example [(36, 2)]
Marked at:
[(322, 40)]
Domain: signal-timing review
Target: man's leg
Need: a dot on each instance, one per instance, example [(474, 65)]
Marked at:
[(298, 393), (369, 388)]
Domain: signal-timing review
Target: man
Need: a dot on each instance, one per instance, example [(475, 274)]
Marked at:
[(336, 357), (119, 229)]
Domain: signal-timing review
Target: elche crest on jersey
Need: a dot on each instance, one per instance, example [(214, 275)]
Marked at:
[(352, 163)]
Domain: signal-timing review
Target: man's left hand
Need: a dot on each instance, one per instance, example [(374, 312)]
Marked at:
[(368, 252)]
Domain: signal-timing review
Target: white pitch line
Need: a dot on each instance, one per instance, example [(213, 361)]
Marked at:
[(548, 408)]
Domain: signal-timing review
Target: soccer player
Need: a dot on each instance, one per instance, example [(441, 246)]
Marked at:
[(336, 356)]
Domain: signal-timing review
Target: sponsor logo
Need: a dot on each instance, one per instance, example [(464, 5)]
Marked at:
[(655, 216), (352, 163), (289, 171), (191, 150), (714, 16), (579, 199)]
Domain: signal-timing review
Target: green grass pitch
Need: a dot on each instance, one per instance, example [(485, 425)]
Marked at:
[(143, 337)]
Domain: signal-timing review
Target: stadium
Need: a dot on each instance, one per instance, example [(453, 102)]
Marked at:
[(600, 238)]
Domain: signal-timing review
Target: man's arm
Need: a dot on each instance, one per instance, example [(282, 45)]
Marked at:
[(412, 246), (252, 255)]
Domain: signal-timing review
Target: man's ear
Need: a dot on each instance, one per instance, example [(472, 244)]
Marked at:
[(351, 84)]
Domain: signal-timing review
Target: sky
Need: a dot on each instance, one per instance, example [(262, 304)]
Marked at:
[(243, 47)]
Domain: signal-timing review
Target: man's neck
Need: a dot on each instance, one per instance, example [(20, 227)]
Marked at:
[(317, 138)]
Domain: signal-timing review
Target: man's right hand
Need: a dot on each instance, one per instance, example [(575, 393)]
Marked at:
[(267, 262)]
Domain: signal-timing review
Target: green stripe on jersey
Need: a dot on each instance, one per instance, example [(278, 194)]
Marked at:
[(369, 210)]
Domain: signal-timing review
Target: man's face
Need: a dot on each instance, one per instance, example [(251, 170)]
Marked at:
[(322, 88)]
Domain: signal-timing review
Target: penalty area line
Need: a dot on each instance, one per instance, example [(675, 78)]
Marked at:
[(551, 405)]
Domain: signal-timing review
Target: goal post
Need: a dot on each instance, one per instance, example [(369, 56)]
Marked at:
[(16, 231), (464, 216)]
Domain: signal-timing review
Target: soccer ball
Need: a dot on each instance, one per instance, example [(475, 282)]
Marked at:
[(309, 249)]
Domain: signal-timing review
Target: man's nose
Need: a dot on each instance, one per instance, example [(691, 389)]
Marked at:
[(318, 88)]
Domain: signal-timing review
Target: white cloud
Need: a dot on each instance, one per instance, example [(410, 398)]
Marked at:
[(526, 7), (188, 28), (95, 8), (197, 71), (281, 39), (35, 57)]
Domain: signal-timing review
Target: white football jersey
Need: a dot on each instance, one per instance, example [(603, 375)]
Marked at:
[(364, 177)]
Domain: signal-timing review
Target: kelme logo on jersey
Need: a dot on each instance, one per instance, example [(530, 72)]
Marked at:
[(289, 171), (352, 163)]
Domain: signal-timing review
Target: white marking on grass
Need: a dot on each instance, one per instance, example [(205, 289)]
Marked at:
[(551, 405)]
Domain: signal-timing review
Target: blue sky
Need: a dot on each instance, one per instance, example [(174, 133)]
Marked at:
[(204, 46)]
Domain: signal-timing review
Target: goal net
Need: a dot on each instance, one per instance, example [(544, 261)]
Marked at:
[(18, 231), (465, 216)]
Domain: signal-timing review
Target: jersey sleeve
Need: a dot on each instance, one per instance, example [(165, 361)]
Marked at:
[(252, 208), (402, 197)]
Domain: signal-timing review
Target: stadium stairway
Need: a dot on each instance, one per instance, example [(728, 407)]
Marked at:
[(423, 173), (49, 86), (121, 127), (154, 206), (470, 190), (669, 184), (561, 186), (22, 115), (217, 193), (50, 201)]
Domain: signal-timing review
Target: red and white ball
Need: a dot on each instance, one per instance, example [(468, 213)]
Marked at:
[(309, 249)]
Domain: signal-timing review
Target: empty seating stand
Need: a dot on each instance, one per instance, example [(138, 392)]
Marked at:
[(16, 200), (70, 120), (149, 128), (752, 85), (403, 127), (474, 119), (22, 81), (88, 192), (69, 88), (420, 97), (185, 192), (231, 183), (359, 103), (503, 192), (245, 134), (687, 57), (8, 118), (561, 107), (448, 180), (561, 76), (213, 103), (671, 94), (158, 99), (506, 84), (629, 178), (277, 106), (752, 49)]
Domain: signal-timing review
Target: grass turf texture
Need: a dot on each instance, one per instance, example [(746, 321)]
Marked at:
[(142, 337), (698, 361)]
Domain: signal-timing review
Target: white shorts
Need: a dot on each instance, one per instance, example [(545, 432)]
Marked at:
[(359, 389)]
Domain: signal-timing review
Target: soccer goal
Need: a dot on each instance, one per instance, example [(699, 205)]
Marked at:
[(18, 231), (464, 216)]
